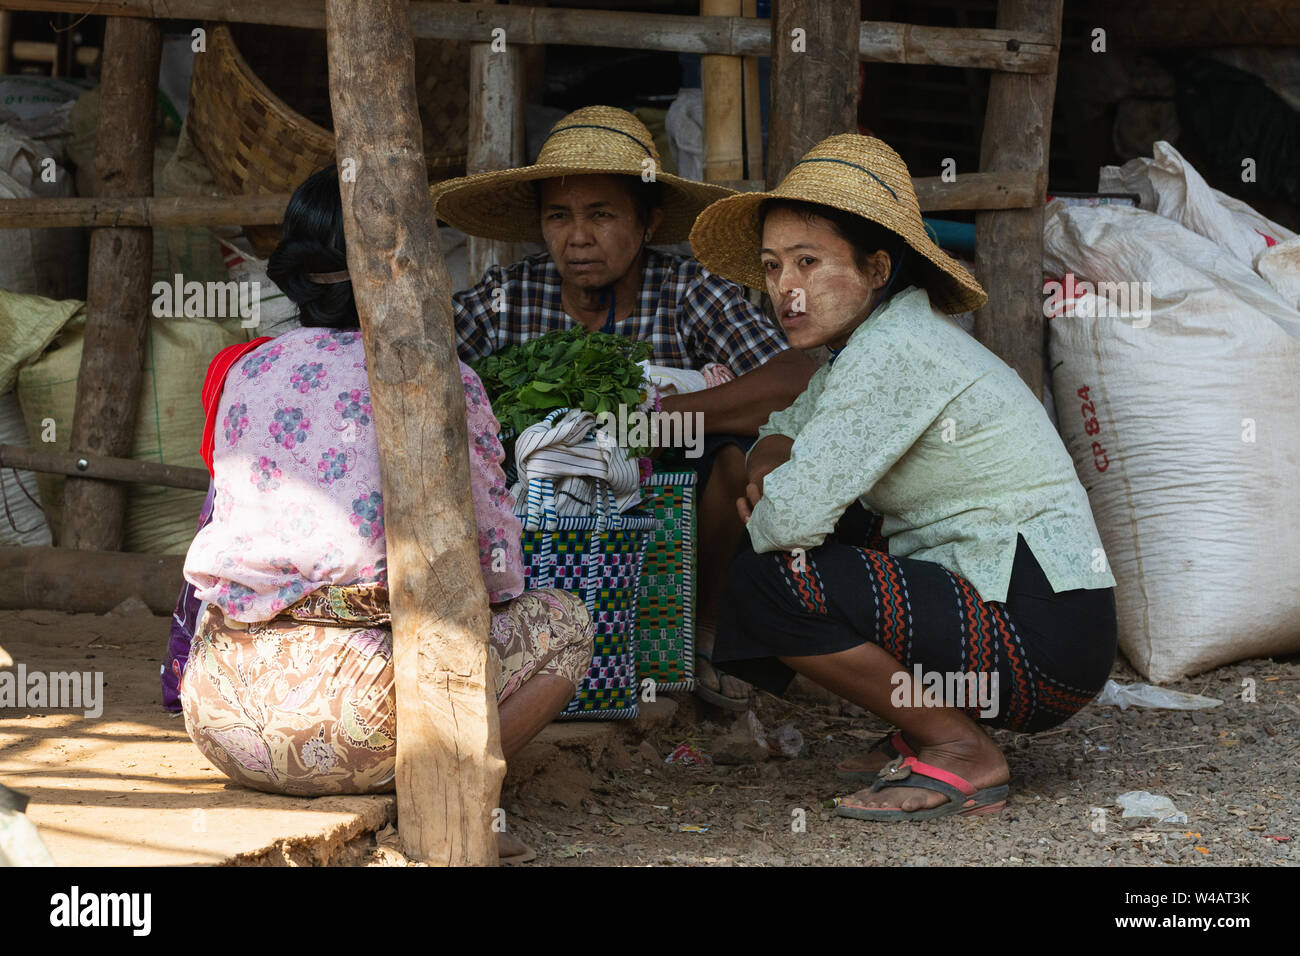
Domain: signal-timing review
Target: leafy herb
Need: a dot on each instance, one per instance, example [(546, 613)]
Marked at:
[(592, 371)]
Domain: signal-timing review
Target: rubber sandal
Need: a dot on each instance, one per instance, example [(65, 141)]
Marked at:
[(963, 798), (893, 745), (521, 852), (717, 698)]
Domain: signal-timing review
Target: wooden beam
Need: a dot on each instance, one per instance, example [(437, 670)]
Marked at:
[(814, 79), (117, 300), (1009, 243), (1010, 50), (496, 133), (164, 212), (49, 461), (59, 579), (449, 760), (1008, 190), (991, 190)]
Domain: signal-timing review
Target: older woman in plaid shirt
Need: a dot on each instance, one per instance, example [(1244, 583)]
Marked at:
[(597, 197)]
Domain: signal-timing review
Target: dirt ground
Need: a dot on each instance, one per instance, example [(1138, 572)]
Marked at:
[(1232, 770), (601, 794)]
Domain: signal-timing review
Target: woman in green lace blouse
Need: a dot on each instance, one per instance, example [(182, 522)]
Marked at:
[(919, 542)]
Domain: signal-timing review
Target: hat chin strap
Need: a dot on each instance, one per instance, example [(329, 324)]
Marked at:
[(884, 292)]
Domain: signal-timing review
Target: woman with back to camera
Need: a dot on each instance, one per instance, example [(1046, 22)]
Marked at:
[(289, 684), (914, 510)]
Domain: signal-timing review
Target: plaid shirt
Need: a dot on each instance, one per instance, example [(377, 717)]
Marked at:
[(690, 316)]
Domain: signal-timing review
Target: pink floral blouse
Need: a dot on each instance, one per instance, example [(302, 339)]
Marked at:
[(298, 502)]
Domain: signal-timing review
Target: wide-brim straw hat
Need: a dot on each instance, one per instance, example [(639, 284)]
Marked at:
[(856, 174), (502, 204)]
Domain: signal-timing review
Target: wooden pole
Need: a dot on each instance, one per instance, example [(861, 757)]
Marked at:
[(449, 762), (724, 116), (165, 212), (1016, 51), (117, 306), (1009, 243), (93, 582), (814, 78), (52, 462), (496, 133), (6, 37)]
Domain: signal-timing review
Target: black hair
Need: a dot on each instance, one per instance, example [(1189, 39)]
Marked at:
[(866, 237), (312, 241), (646, 196)]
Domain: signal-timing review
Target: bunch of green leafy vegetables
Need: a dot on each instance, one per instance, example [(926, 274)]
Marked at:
[(592, 371)]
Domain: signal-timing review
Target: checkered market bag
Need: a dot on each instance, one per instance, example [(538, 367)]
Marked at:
[(665, 625), (598, 558)]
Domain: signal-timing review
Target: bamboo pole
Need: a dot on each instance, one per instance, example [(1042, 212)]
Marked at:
[(148, 211), (117, 301), (1011, 50), (496, 133), (449, 762), (814, 78), (1009, 243), (724, 118), (48, 461)]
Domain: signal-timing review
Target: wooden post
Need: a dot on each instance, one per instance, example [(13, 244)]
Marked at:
[(753, 107), (6, 37), (724, 116), (117, 306), (1009, 243), (814, 78), (449, 762), (496, 133)]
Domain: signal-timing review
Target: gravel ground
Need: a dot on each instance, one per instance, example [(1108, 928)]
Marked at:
[(1232, 770)]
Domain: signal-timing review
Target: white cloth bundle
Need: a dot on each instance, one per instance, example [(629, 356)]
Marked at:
[(565, 453), (679, 381)]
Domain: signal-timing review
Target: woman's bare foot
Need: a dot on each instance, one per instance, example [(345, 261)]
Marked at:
[(706, 675), (870, 762), (974, 757), (511, 849)]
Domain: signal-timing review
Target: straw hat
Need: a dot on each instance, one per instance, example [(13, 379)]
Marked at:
[(595, 139), (858, 174)]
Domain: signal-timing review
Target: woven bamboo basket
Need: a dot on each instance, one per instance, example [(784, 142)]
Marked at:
[(255, 141)]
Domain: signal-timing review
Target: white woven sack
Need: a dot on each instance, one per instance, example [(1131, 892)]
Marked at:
[(1197, 432)]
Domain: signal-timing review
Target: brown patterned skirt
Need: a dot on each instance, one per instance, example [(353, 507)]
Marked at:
[(304, 704)]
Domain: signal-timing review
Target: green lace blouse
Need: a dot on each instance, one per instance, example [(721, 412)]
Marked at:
[(931, 430)]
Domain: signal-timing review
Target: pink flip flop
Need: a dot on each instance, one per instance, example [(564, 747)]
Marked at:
[(963, 798)]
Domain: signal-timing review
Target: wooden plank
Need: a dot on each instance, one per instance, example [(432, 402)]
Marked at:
[(1010, 50), (724, 118), (49, 461), (44, 578), (449, 760), (496, 134), (1009, 243), (814, 79), (118, 287), (159, 211)]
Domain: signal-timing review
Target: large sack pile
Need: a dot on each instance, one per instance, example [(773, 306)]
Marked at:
[(169, 424), (1183, 421)]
